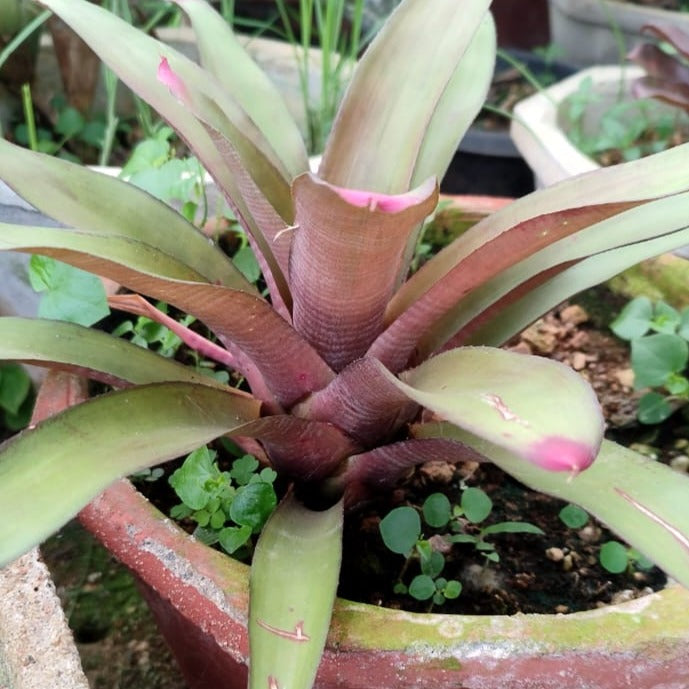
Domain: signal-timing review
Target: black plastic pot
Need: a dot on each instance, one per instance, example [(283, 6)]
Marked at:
[(487, 161)]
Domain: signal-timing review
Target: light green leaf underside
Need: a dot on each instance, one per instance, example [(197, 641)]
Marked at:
[(294, 576), (657, 525), (246, 81), (46, 342), (511, 399), (587, 273), (664, 216), (91, 201), (426, 47), (48, 474), (136, 255), (459, 104), (661, 174)]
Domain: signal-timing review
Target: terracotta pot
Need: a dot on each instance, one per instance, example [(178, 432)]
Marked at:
[(200, 599)]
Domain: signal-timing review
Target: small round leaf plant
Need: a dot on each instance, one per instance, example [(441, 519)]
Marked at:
[(356, 370)]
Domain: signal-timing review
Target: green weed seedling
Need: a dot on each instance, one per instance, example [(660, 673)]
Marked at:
[(67, 293), (402, 533), (634, 128), (614, 556), (617, 558), (148, 334), (658, 334), (227, 506)]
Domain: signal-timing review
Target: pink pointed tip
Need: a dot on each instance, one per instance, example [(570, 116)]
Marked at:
[(561, 454), (170, 79), (386, 203)]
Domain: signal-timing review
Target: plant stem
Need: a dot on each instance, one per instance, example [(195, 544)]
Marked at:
[(29, 118), (23, 35)]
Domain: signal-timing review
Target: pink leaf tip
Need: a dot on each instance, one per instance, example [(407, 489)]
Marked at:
[(387, 203), (168, 77), (561, 454)]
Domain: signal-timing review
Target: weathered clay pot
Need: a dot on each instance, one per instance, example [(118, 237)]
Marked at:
[(200, 599)]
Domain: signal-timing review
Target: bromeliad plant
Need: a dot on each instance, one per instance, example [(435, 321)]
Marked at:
[(356, 370)]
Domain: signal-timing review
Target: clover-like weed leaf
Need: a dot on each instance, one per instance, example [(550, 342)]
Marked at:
[(69, 294), (243, 469), (634, 320), (253, 504), (232, 538), (189, 481), (654, 408), (655, 357), (666, 318)]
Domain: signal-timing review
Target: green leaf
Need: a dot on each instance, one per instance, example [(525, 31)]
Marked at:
[(655, 357), (69, 122), (573, 516), (15, 386), (634, 319), (291, 604), (613, 556), (437, 510), (422, 587), (400, 529), (243, 468), (666, 318), (190, 480), (512, 527), (218, 519), (476, 505), (513, 400), (654, 408), (246, 263), (202, 517), (69, 294), (677, 384), (104, 357), (232, 538), (683, 330), (433, 565), (452, 589), (463, 538), (253, 504), (68, 459)]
